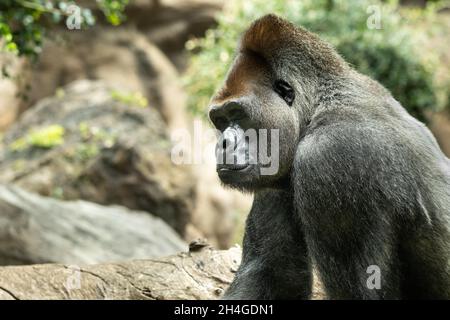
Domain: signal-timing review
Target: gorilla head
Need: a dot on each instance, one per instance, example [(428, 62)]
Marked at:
[(270, 90)]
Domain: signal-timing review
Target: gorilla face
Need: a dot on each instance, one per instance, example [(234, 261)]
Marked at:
[(256, 115)]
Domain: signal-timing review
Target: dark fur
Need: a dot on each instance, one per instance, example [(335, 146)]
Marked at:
[(360, 183)]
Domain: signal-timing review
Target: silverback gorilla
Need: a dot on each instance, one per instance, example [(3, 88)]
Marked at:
[(360, 182)]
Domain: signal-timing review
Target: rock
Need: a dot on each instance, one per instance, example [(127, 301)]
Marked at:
[(120, 57), (169, 23), (99, 144), (35, 229)]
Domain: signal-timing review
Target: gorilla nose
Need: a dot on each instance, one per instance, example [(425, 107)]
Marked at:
[(226, 113)]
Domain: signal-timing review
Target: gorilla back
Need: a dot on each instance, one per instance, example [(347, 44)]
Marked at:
[(360, 185)]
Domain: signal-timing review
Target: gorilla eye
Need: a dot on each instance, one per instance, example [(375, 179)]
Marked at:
[(285, 91)]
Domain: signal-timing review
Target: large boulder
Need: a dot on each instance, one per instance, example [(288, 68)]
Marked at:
[(35, 229), (100, 144), (120, 57)]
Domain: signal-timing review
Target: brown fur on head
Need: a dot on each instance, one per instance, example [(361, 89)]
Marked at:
[(272, 45), (275, 38)]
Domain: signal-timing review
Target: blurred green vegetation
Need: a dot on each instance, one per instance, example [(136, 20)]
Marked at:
[(46, 138), (23, 23), (130, 98), (390, 54)]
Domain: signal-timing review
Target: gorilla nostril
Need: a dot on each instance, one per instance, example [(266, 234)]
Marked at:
[(234, 111), (228, 145), (219, 122), (237, 114), (222, 115), (217, 118), (224, 144)]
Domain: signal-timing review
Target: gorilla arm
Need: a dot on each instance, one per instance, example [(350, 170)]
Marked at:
[(275, 263)]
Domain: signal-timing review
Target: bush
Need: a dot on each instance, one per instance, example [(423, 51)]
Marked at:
[(387, 54), (23, 23)]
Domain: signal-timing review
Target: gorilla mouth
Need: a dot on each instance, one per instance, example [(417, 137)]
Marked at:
[(232, 152), (233, 174), (232, 167)]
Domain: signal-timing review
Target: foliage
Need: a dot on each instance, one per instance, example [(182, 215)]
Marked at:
[(389, 54), (131, 99), (23, 23), (47, 137), (113, 10)]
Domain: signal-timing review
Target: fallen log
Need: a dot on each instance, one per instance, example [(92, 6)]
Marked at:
[(202, 274)]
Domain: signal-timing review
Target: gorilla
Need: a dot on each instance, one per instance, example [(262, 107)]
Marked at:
[(361, 185)]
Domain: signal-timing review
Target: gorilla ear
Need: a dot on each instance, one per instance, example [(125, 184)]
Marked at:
[(267, 34)]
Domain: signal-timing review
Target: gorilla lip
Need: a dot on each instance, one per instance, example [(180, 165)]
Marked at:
[(234, 167)]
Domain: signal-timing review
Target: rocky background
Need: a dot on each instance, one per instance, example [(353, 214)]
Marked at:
[(116, 94)]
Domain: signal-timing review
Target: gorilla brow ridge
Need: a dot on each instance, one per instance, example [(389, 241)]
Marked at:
[(271, 36)]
